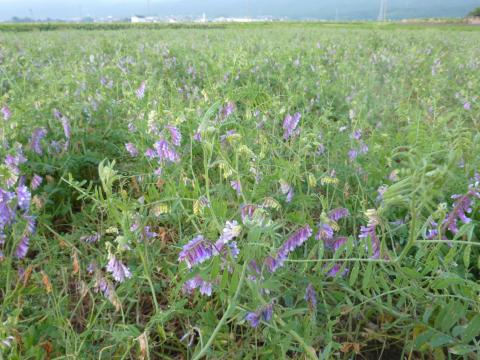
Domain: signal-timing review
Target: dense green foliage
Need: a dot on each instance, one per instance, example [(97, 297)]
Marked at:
[(412, 97), (475, 12)]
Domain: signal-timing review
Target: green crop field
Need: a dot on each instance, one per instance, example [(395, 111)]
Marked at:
[(263, 191)]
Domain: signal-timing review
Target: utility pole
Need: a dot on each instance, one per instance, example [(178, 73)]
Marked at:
[(382, 13)]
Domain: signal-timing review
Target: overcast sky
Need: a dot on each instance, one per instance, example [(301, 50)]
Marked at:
[(322, 9)]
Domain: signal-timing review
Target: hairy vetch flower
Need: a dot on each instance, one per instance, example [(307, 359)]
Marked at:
[(197, 136), (118, 270), (231, 230), (7, 213), (6, 112), (165, 151), (325, 232), (290, 125), (35, 142), (140, 92), (294, 241), (132, 150), (237, 186), (90, 239), (336, 269), (196, 251), (338, 213), (311, 296), (226, 111), (22, 247), (31, 224), (286, 189), (23, 197), (175, 135), (370, 232), (197, 282), (66, 127), (265, 313), (35, 182), (461, 207)]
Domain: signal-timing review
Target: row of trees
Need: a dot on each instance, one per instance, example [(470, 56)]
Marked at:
[(475, 12)]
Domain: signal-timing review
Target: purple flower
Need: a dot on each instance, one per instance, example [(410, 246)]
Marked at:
[(286, 189), (461, 207), (197, 282), (197, 136), (66, 127), (357, 134), (311, 296), (175, 135), (320, 149), (6, 112), (7, 214), (23, 197), (352, 154), (131, 127), (13, 162), (336, 269), (55, 147), (90, 239), (230, 231), (272, 263), (35, 142), (22, 248), (253, 318), (140, 92), (36, 182), (235, 184), (103, 285), (227, 110), (335, 243), (150, 154), (247, 212), (31, 224), (369, 231), (165, 151), (338, 213), (132, 150), (467, 106), (290, 124), (196, 251), (147, 233), (119, 271), (58, 115), (294, 241), (265, 313), (325, 232), (363, 148)]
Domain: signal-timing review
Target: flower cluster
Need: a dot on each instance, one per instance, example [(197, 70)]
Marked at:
[(290, 124), (265, 313), (294, 241)]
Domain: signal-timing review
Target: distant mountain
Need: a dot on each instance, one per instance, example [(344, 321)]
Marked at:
[(321, 9), (295, 9)]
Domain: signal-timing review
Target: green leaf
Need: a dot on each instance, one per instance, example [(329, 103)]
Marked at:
[(367, 277), (440, 340), (354, 274), (472, 330), (461, 350), (453, 312), (466, 256)]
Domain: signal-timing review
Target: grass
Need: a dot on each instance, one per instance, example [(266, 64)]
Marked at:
[(388, 130)]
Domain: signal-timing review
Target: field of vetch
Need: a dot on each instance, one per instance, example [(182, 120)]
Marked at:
[(284, 191)]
